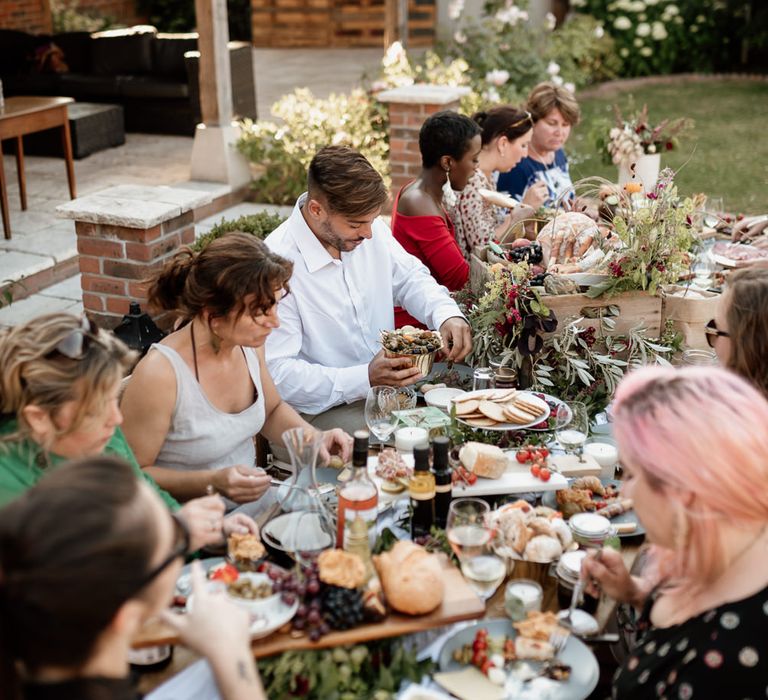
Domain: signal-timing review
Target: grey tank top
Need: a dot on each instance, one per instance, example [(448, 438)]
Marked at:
[(201, 436)]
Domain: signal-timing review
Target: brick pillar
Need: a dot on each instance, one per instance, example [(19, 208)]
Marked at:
[(408, 108), (124, 234)]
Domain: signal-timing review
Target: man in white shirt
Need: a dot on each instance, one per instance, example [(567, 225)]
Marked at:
[(349, 273)]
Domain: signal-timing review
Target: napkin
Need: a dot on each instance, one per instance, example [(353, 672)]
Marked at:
[(469, 684)]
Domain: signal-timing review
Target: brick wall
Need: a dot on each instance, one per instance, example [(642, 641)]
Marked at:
[(119, 11), (32, 16)]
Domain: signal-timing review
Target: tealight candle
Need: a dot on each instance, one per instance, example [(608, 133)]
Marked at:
[(407, 438), (605, 454)]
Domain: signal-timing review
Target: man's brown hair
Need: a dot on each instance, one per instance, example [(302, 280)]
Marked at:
[(547, 96), (346, 181)]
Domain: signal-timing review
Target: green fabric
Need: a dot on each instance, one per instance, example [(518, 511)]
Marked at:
[(23, 464)]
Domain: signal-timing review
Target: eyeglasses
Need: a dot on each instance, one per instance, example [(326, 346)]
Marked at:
[(75, 344), (180, 549), (712, 331), (526, 118)]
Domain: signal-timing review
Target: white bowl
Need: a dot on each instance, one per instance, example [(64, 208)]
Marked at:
[(441, 398), (257, 606)]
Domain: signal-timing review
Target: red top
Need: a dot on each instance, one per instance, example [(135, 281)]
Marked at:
[(432, 240)]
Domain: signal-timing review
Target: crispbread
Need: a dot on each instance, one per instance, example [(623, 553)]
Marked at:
[(492, 410), (474, 396), (502, 395), (514, 415), (464, 408), (480, 422), (529, 406)]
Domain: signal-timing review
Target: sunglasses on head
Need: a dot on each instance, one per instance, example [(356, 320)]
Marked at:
[(75, 344), (712, 332), (180, 549), (526, 118)]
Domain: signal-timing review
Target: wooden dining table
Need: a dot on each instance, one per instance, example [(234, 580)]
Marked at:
[(27, 115)]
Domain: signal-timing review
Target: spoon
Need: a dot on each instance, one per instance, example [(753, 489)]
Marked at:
[(566, 620)]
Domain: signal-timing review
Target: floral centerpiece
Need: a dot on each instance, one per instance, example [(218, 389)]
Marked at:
[(631, 138)]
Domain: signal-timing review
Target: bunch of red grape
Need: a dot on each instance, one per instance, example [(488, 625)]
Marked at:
[(304, 587)]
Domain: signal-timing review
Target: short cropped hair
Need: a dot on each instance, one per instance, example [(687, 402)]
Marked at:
[(547, 96), (347, 182), (445, 133)]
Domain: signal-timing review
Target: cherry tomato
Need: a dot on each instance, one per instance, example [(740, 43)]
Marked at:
[(485, 667), (472, 478), (226, 573), (544, 474), (479, 658), (480, 644), (523, 456), (536, 471), (544, 452)]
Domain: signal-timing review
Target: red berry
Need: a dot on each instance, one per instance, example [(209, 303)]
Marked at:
[(536, 471), (544, 474)]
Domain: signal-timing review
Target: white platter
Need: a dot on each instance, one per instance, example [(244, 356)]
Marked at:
[(516, 479), (508, 426)]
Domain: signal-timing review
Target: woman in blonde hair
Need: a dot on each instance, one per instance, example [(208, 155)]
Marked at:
[(197, 400), (694, 449), (60, 378)]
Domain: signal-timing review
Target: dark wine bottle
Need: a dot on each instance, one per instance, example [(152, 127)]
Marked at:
[(443, 483), (421, 490)]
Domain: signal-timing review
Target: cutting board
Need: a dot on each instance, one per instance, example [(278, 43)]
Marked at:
[(460, 603), (570, 466), (516, 479)]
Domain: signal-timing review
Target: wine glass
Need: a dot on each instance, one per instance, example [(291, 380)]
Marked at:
[(469, 536), (572, 427), (713, 211), (380, 405), (703, 268)]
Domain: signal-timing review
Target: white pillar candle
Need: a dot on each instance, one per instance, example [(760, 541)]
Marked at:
[(605, 454), (407, 438)]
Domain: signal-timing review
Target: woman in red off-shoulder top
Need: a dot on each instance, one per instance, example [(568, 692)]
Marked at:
[(450, 146)]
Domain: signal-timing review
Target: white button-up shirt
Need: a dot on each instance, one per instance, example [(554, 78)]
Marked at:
[(330, 322)]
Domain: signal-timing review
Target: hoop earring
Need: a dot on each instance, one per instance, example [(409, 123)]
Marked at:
[(449, 196)]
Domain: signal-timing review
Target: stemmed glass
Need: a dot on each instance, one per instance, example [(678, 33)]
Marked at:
[(380, 405), (713, 211), (572, 427), (470, 536), (703, 268)]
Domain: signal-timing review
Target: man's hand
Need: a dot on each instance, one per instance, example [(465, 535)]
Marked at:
[(536, 194), (336, 442), (457, 338), (392, 371)]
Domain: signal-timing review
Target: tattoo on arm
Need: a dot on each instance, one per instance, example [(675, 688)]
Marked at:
[(242, 671)]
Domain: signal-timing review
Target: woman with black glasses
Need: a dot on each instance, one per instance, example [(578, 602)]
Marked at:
[(739, 331), (75, 590), (59, 383)]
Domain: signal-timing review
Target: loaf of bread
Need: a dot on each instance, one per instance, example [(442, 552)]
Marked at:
[(487, 461), (411, 578)]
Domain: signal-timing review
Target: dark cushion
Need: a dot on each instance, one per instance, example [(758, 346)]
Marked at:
[(122, 52), (168, 55), (77, 50), (16, 51), (82, 86), (33, 84), (141, 86)]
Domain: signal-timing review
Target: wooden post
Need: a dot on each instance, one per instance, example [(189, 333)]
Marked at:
[(215, 80), (390, 22)]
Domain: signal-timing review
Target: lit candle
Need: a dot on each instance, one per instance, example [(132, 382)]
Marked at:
[(605, 454), (407, 438)]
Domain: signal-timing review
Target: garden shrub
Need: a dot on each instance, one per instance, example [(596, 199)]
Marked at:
[(259, 225)]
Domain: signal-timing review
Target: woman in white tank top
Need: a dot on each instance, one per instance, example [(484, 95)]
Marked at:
[(197, 400)]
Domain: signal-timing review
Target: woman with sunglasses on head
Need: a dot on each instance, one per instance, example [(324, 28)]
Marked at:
[(694, 450), (197, 400), (506, 133), (739, 331), (60, 377), (450, 146), (86, 557)]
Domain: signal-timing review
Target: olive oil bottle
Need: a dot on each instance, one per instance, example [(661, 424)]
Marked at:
[(421, 490), (443, 483)]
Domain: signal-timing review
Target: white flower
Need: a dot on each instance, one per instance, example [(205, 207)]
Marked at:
[(491, 95), (550, 21), (622, 22), (599, 31), (395, 53), (672, 10), (693, 29), (643, 29), (557, 80), (678, 20), (637, 43), (701, 19), (659, 31), (511, 15), (651, 148), (460, 37), (379, 85), (614, 133), (497, 77), (646, 51), (553, 68), (571, 87), (651, 3), (455, 9), (624, 52)]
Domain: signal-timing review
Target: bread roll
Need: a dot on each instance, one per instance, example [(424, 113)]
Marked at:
[(543, 549), (487, 461), (411, 577)]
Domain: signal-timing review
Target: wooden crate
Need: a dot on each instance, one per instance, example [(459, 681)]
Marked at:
[(627, 310)]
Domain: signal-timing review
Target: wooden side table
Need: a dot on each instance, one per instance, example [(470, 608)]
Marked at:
[(27, 115)]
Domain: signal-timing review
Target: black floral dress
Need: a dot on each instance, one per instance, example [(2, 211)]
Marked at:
[(720, 654)]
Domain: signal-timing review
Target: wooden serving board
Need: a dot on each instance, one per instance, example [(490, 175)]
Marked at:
[(460, 603), (570, 466)]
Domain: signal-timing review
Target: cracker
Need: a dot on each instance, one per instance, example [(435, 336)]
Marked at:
[(513, 415), (502, 395), (492, 410), (466, 407), (481, 422)]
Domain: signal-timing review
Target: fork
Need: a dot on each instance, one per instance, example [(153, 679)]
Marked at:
[(558, 639), (566, 620)]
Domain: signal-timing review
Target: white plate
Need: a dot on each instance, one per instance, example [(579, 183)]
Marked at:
[(725, 261), (509, 426), (441, 398)]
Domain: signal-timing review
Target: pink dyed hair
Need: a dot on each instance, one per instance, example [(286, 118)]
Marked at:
[(704, 431)]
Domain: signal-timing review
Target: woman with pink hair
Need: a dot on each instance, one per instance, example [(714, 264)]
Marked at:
[(694, 448)]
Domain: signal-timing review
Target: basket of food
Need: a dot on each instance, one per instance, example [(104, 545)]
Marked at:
[(419, 346)]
